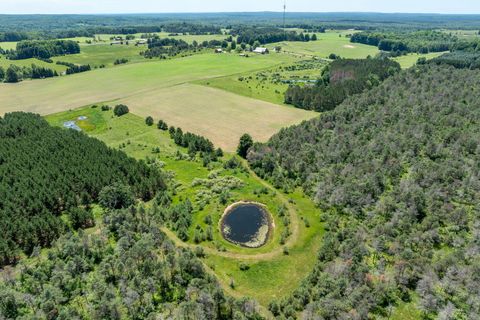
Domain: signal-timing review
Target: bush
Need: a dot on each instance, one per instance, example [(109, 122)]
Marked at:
[(246, 142), (162, 125), (149, 121), (120, 110)]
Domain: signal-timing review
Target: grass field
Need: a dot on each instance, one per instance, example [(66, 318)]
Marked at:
[(8, 45), (188, 38), (271, 274), (411, 59), (5, 63), (158, 89), (104, 54), (219, 115), (268, 85), (330, 42)]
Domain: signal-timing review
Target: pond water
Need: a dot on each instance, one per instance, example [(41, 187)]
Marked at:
[(247, 225)]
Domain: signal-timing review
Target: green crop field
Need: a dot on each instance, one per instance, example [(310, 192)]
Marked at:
[(271, 274), (330, 42)]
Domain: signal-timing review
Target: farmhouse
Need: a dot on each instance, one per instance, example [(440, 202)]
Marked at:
[(142, 41), (218, 50), (116, 43), (261, 50)]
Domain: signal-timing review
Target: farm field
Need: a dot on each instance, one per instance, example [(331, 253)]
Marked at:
[(327, 43), (158, 88), (123, 81), (216, 114), (271, 274)]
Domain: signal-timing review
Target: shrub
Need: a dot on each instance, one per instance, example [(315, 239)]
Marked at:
[(149, 121)]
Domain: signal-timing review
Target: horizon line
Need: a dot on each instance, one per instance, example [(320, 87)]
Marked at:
[(243, 12)]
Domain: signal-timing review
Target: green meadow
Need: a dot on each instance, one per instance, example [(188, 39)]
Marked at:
[(332, 41)]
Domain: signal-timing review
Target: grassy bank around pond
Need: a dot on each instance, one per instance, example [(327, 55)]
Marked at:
[(270, 273)]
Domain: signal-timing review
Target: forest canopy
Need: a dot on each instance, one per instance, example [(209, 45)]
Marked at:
[(46, 172), (396, 171)]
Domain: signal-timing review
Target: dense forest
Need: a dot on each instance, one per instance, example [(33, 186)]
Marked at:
[(396, 171), (417, 41), (48, 172), (129, 270), (341, 79), (458, 59), (43, 49)]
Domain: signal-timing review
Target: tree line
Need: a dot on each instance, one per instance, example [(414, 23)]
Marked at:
[(43, 49), (398, 41), (341, 79), (47, 172), (265, 35), (15, 73), (395, 171)]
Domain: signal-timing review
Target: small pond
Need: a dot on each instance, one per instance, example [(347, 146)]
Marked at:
[(246, 224)]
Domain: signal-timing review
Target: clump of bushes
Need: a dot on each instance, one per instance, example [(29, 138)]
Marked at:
[(120, 110)]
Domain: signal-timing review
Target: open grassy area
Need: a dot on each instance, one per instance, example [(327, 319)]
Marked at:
[(332, 41), (104, 54), (411, 59), (272, 274), (8, 45), (219, 115), (5, 63), (269, 85)]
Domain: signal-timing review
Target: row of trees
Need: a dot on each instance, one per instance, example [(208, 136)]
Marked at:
[(15, 73), (396, 172), (458, 59), (48, 171), (74, 68), (341, 79), (264, 35)]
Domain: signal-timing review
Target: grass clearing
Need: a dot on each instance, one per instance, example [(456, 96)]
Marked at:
[(332, 41), (8, 45), (268, 277), (5, 63), (103, 54), (411, 59)]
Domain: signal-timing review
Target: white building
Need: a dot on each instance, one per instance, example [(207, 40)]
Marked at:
[(261, 50)]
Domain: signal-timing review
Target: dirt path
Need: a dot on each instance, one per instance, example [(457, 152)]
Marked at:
[(291, 241)]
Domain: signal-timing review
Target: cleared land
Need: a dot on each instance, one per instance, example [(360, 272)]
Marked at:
[(409, 60), (216, 114), (336, 42)]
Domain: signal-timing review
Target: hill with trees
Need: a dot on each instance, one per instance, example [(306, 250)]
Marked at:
[(341, 79), (48, 172), (396, 171)]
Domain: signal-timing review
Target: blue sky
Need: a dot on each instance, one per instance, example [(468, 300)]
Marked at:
[(157, 6)]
